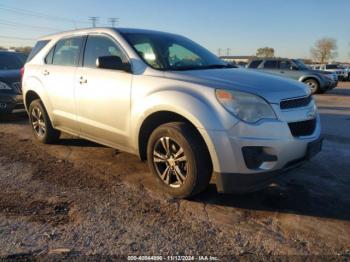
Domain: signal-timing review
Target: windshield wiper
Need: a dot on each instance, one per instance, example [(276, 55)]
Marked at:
[(220, 66)]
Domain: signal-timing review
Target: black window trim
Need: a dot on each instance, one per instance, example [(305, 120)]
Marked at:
[(81, 58)]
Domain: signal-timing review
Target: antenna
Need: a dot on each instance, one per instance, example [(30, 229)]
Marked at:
[(94, 20)]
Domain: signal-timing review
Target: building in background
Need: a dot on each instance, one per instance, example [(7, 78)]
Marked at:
[(237, 60)]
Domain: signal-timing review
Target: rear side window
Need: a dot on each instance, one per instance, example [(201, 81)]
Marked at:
[(270, 64), (97, 46), (254, 64), (67, 51), (37, 48)]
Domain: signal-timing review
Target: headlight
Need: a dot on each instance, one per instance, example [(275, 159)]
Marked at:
[(247, 107), (4, 86)]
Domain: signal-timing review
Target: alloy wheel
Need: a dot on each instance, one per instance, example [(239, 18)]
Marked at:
[(38, 122), (170, 162), (312, 85)]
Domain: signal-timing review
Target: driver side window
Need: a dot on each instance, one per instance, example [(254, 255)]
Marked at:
[(97, 46)]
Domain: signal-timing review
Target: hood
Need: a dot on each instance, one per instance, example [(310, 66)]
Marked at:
[(270, 87)]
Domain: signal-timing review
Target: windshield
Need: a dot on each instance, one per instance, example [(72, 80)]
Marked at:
[(10, 62), (172, 52), (301, 65)]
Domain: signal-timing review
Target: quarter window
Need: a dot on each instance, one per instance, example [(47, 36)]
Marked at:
[(67, 52), (37, 48), (49, 57), (98, 46)]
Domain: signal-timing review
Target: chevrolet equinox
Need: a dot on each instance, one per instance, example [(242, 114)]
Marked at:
[(173, 103)]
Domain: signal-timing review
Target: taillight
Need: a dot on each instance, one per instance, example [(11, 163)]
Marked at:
[(22, 72)]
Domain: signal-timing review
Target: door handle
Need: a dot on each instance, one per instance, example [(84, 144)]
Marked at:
[(282, 72), (46, 73), (82, 80)]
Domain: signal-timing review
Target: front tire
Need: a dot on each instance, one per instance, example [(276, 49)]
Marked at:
[(179, 159), (313, 85), (41, 124)]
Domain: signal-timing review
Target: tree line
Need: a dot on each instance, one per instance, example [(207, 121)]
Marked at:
[(323, 51), (23, 49)]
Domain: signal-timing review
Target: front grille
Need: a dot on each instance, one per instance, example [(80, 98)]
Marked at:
[(303, 128), (295, 103), (17, 87)]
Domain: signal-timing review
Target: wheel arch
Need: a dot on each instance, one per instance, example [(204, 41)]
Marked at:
[(30, 96), (152, 121)]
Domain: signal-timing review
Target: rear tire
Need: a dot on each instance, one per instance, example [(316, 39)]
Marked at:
[(41, 124), (313, 85), (179, 159)]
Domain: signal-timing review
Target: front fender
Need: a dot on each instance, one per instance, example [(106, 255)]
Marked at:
[(205, 113), (320, 80)]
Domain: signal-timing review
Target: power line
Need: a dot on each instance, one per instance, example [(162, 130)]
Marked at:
[(113, 21), (94, 20), (15, 37), (39, 15), (10, 23)]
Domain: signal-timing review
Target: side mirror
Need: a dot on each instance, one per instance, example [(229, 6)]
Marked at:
[(112, 62), (293, 67)]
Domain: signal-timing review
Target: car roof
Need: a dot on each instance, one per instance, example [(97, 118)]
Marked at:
[(102, 29), (270, 58)]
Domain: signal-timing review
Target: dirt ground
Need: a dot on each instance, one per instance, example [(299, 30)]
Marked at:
[(77, 199)]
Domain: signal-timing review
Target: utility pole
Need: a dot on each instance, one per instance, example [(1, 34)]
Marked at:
[(219, 52), (114, 21), (228, 51), (94, 20)]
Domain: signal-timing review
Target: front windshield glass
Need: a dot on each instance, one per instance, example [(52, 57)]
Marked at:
[(172, 52), (300, 65)]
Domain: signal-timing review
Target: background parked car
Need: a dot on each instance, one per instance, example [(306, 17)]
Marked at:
[(10, 81), (339, 70), (318, 81)]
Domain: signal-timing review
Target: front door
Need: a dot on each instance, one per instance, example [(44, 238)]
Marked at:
[(103, 95)]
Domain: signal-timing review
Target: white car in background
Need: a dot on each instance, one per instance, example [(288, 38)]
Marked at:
[(339, 70)]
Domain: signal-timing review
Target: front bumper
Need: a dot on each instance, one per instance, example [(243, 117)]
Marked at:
[(245, 183), (281, 149), (9, 102)]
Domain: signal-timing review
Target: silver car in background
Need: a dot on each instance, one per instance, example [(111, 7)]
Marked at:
[(173, 103)]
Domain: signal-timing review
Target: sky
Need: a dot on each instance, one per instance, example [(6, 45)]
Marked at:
[(243, 26)]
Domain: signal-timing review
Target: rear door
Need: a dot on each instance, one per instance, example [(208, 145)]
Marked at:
[(103, 95), (59, 80)]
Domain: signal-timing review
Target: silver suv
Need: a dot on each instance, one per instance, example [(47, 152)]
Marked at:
[(168, 100)]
